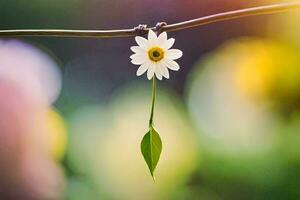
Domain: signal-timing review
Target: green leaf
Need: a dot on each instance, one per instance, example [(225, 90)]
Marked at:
[(151, 147)]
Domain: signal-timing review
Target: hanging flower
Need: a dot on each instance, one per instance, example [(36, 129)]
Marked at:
[(155, 56)]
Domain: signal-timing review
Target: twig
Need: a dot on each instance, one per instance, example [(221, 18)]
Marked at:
[(260, 10)]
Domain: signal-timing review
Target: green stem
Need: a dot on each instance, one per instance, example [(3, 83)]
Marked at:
[(153, 102)]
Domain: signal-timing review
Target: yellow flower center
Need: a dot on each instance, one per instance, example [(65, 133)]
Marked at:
[(156, 54)]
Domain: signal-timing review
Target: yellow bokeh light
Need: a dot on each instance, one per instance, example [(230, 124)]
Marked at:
[(268, 71), (57, 134)]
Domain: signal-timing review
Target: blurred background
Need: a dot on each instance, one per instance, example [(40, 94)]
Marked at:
[(73, 112)]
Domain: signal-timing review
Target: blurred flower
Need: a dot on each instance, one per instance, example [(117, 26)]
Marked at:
[(229, 97), (219, 106), (155, 55), (271, 74), (29, 138), (33, 70), (26, 171)]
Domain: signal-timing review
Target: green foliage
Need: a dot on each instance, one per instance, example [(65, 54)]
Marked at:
[(151, 147)]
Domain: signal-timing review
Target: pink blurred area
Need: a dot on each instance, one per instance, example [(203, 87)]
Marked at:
[(31, 69), (27, 171)]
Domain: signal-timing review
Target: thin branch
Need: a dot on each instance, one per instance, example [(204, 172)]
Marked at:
[(260, 10)]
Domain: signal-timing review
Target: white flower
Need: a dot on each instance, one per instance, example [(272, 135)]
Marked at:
[(155, 56)]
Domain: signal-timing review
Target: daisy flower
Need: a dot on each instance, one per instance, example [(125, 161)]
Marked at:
[(155, 56)]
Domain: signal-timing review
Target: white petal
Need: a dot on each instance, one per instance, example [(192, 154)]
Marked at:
[(173, 54), (142, 42), (142, 69), (152, 38), (137, 49), (150, 72), (158, 72), (168, 43), (162, 38), (136, 62), (158, 75), (139, 55), (165, 71), (171, 64), (135, 55), (138, 59)]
